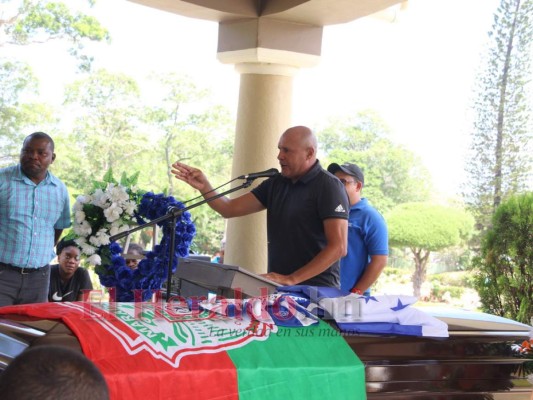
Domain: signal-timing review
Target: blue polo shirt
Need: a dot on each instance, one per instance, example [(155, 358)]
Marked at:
[(367, 236), (29, 215)]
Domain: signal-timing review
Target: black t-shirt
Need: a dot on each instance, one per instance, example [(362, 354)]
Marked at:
[(295, 215), (69, 292)]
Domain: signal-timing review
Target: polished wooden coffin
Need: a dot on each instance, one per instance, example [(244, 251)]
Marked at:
[(475, 362)]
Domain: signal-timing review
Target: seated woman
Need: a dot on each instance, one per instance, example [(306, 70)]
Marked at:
[(67, 280), (134, 255)]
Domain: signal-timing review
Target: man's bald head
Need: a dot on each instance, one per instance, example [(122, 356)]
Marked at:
[(297, 152)]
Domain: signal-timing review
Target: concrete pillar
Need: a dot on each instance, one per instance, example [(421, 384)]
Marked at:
[(264, 112), (267, 54)]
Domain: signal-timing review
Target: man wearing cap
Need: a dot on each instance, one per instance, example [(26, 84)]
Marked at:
[(368, 247)]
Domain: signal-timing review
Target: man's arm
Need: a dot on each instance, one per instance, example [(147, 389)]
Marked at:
[(57, 235), (372, 272), (237, 207), (336, 231), (376, 241), (228, 208)]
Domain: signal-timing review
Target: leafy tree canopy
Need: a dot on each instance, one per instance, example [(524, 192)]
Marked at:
[(37, 21), (393, 175), (114, 126), (428, 226), (423, 228), (18, 115), (105, 109), (191, 130)]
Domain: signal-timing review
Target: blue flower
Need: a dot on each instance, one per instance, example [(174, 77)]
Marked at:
[(153, 269), (115, 248)]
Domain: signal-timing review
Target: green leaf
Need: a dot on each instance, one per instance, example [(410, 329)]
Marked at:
[(108, 177), (129, 181)]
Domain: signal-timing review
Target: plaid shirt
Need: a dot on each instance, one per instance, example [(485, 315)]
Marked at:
[(29, 215)]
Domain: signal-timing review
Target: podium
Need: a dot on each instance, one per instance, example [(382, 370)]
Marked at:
[(197, 278)]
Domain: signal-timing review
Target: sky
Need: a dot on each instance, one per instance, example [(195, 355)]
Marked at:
[(416, 72)]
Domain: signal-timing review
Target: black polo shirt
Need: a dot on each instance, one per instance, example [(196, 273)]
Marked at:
[(295, 215)]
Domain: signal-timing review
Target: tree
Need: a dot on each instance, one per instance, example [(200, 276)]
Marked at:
[(37, 21), (169, 118), (505, 265), (393, 175), (31, 22), (112, 128), (107, 116), (500, 161), (17, 82), (191, 130), (423, 228)]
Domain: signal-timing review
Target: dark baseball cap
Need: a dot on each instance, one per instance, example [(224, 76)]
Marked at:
[(348, 168)]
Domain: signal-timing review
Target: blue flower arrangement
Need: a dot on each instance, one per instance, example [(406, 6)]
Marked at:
[(152, 271)]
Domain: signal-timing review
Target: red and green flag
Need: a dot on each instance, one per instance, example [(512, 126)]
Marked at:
[(154, 351)]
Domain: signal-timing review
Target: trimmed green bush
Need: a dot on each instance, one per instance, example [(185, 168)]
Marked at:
[(505, 266)]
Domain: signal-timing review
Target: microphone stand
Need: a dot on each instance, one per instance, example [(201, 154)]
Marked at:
[(173, 215)]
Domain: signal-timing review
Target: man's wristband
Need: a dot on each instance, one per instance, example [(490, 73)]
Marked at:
[(357, 291)]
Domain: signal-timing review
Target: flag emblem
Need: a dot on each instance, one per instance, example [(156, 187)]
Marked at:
[(150, 327)]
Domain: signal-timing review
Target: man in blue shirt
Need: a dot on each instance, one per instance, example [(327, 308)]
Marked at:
[(34, 210), (368, 247)]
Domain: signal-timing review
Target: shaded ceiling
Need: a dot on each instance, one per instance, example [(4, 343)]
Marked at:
[(314, 12)]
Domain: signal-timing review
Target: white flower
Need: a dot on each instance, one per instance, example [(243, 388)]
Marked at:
[(80, 241), (103, 236), (86, 228), (114, 229), (78, 230), (94, 241), (112, 213), (99, 198), (82, 229), (109, 211), (117, 194), (123, 228), (77, 206), (87, 249), (130, 207), (79, 216), (94, 259)]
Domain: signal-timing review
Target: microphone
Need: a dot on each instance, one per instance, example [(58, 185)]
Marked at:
[(263, 174)]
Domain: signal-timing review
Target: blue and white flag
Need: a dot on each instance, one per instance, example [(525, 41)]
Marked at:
[(277, 309), (380, 314)]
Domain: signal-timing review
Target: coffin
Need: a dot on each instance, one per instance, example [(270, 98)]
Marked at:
[(475, 362)]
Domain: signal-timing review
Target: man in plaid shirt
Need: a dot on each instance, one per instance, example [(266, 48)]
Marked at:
[(34, 210)]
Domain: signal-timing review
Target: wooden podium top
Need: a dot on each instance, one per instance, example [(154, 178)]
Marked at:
[(195, 277)]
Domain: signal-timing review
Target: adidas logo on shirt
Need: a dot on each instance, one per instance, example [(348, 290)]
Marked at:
[(340, 208)]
